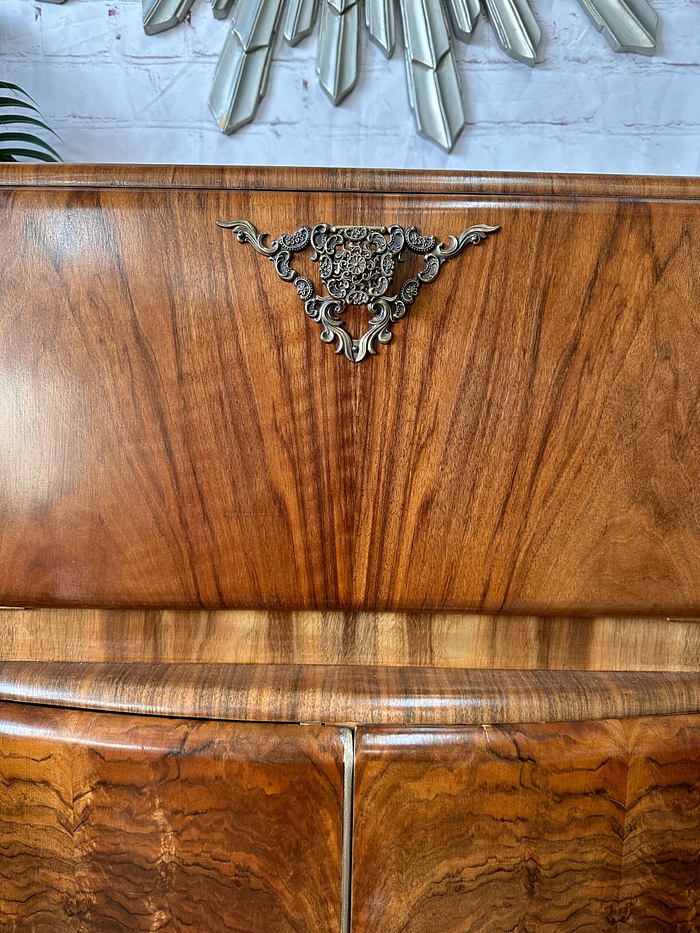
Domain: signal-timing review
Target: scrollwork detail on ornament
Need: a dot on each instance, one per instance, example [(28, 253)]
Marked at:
[(357, 265)]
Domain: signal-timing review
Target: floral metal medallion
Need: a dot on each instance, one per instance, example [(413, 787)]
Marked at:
[(357, 266)]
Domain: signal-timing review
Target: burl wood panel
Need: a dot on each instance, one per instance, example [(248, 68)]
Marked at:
[(248, 636), (348, 693), (119, 824), (586, 827), (175, 434)]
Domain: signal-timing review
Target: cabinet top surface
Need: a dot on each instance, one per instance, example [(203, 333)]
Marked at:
[(272, 178)]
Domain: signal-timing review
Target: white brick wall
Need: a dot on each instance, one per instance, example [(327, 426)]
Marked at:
[(115, 94)]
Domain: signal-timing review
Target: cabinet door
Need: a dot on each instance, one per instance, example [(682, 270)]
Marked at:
[(131, 823), (591, 826)]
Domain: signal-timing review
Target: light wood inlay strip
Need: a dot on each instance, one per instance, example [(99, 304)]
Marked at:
[(394, 639)]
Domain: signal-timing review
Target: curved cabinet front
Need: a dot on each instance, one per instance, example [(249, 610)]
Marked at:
[(545, 828), (121, 824), (113, 823)]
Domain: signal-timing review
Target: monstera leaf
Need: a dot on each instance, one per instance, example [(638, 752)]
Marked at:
[(18, 117)]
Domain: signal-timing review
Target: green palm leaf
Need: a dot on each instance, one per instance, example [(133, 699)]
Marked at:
[(9, 86), (13, 102), (15, 144), (28, 138), (22, 118)]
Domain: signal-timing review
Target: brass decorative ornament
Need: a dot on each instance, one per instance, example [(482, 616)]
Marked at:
[(357, 266)]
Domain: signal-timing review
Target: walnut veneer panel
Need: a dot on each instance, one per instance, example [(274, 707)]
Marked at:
[(585, 827), (348, 693), (247, 636), (120, 824), (174, 433)]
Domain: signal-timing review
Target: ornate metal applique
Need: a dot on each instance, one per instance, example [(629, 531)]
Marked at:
[(357, 266)]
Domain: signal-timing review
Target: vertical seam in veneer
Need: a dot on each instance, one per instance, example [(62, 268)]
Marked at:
[(348, 739)]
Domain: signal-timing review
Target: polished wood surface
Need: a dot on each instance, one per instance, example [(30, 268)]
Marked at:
[(175, 434), (548, 827), (119, 824), (388, 181), (380, 639), (348, 694)]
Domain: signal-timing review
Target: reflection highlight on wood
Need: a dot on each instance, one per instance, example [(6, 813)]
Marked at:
[(348, 694), (117, 823), (549, 828), (395, 639)]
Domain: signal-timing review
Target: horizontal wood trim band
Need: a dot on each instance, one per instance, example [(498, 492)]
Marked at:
[(272, 178), (394, 639), (351, 694)]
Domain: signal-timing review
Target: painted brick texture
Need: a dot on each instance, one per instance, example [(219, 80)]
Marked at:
[(117, 95)]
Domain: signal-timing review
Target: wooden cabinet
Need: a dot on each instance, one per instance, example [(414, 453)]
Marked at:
[(122, 824), (405, 645)]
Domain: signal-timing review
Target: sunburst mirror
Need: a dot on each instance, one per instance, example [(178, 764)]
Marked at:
[(429, 28)]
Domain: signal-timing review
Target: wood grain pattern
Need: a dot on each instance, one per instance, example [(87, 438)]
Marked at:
[(388, 181), (661, 856), (175, 434), (395, 639), (548, 827), (348, 694), (116, 823)]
